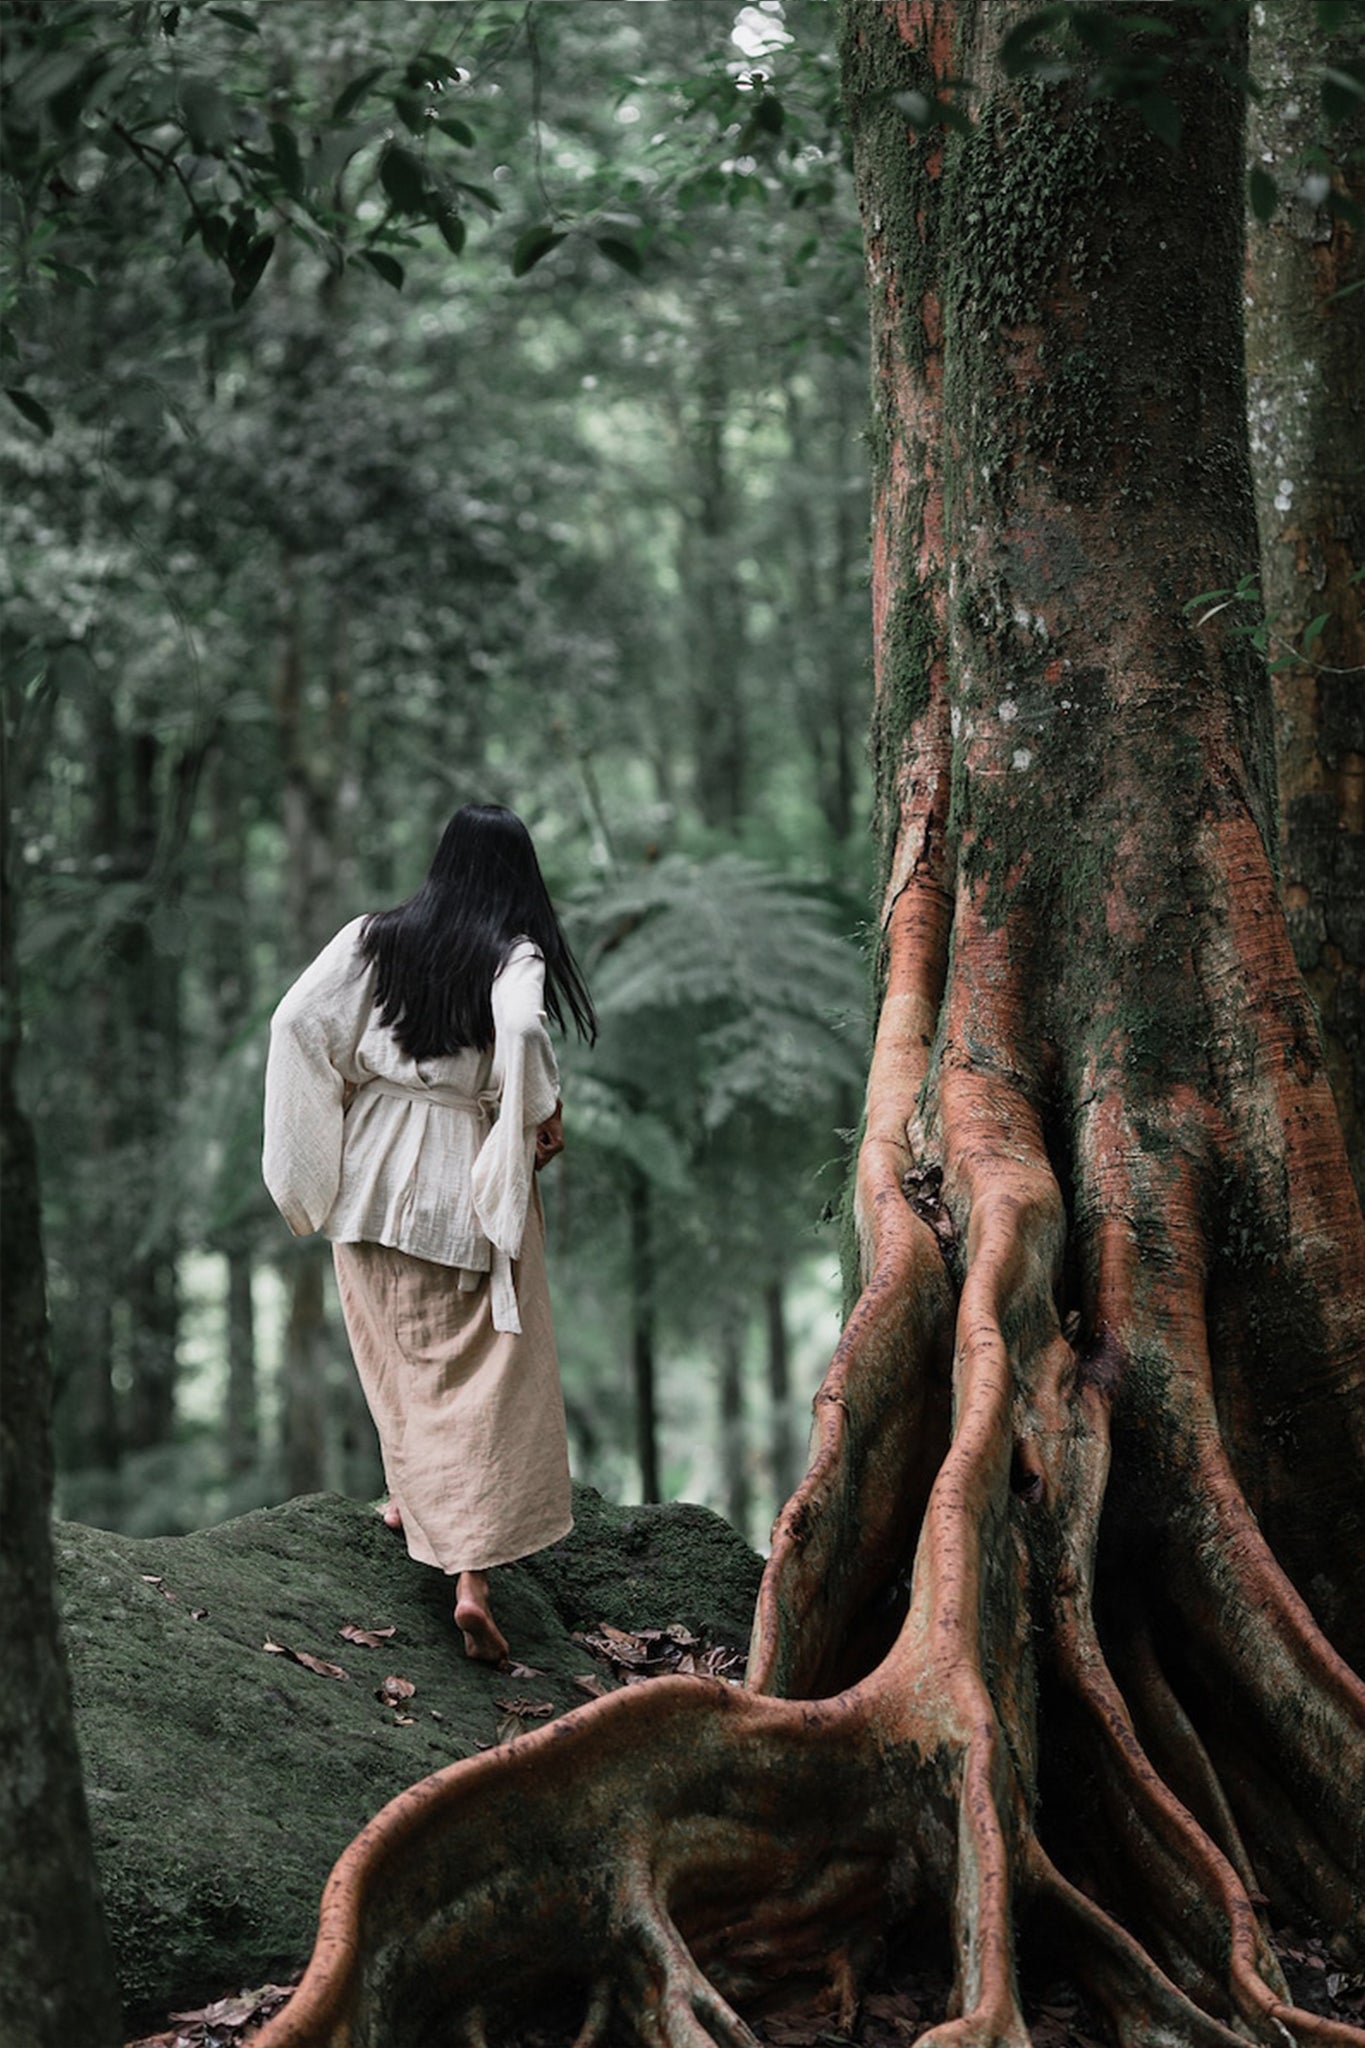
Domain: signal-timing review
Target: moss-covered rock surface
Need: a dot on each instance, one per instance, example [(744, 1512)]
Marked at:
[(225, 1779)]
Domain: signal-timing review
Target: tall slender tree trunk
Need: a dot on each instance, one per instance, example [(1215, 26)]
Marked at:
[(734, 1434), (56, 1968), (714, 650), (306, 1351), (782, 1436), (827, 509), (1306, 363), (309, 762), (230, 977), (643, 1328), (241, 1416)]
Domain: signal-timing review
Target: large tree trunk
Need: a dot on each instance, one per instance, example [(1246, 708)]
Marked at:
[(1051, 1609), (1306, 363), (56, 1969)]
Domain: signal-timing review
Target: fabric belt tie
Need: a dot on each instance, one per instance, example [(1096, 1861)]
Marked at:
[(483, 1106)]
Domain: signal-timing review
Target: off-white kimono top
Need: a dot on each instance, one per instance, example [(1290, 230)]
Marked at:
[(433, 1157)]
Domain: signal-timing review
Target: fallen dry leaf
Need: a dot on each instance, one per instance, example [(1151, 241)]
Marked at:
[(224, 2022), (527, 1710), (199, 1614), (318, 1664), (594, 1687), (661, 1652), (155, 1579), (372, 1638), (393, 1690), (508, 1729), (522, 1671)]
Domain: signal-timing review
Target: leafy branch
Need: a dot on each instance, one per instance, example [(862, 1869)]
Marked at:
[(1249, 622)]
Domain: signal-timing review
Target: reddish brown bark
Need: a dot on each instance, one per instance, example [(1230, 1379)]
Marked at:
[(1049, 1647)]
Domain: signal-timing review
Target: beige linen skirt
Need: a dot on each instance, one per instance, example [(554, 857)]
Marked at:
[(470, 1419)]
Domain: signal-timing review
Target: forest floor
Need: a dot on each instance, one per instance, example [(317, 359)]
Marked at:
[(179, 1660), (909, 1991), (908, 1996)]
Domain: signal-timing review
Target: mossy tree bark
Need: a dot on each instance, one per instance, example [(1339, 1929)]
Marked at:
[(1305, 352), (1050, 1645)]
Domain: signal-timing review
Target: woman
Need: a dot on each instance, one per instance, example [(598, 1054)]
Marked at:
[(411, 1094)]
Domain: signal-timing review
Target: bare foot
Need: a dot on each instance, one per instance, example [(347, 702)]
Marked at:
[(483, 1639), (393, 1515)]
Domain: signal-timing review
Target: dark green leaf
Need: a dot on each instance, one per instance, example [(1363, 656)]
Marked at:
[(404, 179), (65, 106), (249, 272), (770, 114), (1264, 193), (234, 19), (1333, 16), (530, 247), (1017, 54), (436, 67), (355, 92), (213, 230), (47, 76), (1342, 93), (208, 114), (458, 130), (481, 193), (1162, 117), (67, 273), (453, 232), (241, 235), (1094, 30), (413, 110), (288, 162), (37, 414), (917, 107), (1314, 631), (624, 254), (384, 266)]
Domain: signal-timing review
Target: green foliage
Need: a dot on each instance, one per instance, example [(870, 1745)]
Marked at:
[(465, 526), (722, 988), (1244, 618)]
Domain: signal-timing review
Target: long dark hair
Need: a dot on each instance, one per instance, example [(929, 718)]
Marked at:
[(435, 956)]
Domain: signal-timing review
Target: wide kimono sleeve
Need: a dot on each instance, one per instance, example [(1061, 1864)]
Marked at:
[(527, 1079), (313, 1039)]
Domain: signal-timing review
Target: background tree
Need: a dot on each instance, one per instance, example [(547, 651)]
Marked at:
[(54, 1990), (1305, 345)]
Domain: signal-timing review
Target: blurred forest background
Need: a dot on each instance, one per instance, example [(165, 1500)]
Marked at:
[(417, 402), (526, 466)]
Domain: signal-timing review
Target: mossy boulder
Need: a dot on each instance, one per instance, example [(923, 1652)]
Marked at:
[(225, 1779)]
